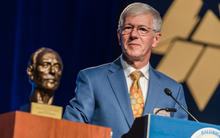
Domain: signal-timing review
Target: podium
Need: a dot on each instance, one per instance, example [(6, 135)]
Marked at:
[(25, 125), (152, 126)]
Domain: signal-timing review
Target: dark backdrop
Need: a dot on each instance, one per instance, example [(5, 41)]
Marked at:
[(83, 32)]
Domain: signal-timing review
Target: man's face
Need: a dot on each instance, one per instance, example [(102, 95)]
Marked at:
[(137, 37), (48, 71)]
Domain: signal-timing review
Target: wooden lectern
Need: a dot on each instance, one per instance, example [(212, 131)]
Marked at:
[(25, 125)]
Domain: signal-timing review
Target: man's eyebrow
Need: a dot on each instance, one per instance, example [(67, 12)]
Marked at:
[(144, 26), (138, 25)]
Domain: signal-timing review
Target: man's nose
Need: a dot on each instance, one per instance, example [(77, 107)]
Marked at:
[(134, 33), (52, 70)]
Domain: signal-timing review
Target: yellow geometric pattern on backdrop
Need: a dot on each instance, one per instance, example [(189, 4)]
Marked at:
[(193, 59)]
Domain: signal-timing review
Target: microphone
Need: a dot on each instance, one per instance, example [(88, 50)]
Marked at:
[(166, 109), (169, 93)]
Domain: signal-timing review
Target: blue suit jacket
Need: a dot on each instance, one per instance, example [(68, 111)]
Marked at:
[(102, 97)]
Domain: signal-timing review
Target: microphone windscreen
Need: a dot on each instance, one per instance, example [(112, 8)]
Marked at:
[(167, 91)]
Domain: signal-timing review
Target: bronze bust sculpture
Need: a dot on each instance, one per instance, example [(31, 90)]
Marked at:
[(44, 70)]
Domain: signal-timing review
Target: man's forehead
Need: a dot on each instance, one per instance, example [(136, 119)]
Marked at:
[(49, 56), (140, 18)]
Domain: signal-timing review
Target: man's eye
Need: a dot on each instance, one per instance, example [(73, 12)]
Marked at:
[(57, 67), (144, 30), (45, 64), (127, 28)]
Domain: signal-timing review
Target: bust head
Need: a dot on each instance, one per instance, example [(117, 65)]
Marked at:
[(45, 70)]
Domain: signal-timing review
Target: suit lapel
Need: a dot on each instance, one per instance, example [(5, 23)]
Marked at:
[(117, 80), (154, 94)]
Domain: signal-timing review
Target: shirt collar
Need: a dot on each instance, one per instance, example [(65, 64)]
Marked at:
[(128, 69)]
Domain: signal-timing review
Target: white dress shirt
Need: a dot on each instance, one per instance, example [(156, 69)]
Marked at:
[(143, 82)]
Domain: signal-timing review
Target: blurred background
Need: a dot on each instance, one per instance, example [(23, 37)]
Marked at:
[(83, 32)]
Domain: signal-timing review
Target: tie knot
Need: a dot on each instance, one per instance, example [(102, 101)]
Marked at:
[(135, 75)]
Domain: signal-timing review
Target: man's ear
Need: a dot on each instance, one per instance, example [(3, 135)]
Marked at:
[(119, 36), (157, 38), (30, 72)]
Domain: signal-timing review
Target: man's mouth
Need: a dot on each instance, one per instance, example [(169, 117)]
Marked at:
[(51, 80), (133, 44)]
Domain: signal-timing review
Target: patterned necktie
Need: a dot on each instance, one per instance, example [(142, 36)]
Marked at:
[(136, 96)]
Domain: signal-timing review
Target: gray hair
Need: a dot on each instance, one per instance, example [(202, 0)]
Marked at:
[(138, 8)]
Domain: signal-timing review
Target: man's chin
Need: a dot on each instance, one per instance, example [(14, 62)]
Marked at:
[(52, 88), (133, 57)]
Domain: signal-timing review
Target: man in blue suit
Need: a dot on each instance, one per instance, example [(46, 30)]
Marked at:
[(103, 93)]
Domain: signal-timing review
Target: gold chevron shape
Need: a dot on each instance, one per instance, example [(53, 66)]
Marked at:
[(205, 77)]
